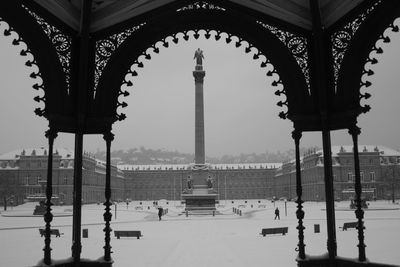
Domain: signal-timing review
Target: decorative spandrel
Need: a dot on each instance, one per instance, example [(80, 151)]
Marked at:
[(31, 62), (201, 5), (105, 49), (61, 42), (297, 46), (342, 38)]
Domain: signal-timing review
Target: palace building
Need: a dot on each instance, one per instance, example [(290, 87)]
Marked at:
[(230, 181), (23, 175), (379, 171)]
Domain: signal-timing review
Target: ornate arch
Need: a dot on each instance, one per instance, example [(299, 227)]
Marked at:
[(360, 53), (255, 33), (50, 77)]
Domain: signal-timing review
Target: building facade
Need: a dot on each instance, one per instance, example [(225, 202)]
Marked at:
[(230, 181), (23, 175), (379, 171)]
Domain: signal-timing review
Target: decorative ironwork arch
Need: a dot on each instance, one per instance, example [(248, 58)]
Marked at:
[(355, 69), (50, 76), (177, 24)]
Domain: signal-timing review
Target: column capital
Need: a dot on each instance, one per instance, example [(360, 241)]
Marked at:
[(199, 76), (296, 135), (108, 136), (354, 130), (51, 133)]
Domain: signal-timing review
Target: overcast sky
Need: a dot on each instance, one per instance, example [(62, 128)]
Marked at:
[(241, 115)]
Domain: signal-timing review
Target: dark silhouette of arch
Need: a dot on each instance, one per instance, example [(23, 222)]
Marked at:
[(171, 23), (349, 83), (56, 99)]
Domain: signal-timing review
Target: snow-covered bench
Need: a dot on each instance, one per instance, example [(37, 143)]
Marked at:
[(347, 225), (271, 231), (55, 232), (127, 233)]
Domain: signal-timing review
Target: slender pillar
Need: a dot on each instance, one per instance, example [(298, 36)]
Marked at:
[(299, 213), (108, 137), (81, 92), (329, 195), (198, 75), (355, 131), (77, 199), (321, 83), (48, 216)]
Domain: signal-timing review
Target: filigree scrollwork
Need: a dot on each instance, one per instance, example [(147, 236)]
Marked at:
[(61, 42), (105, 49), (342, 38), (297, 45), (26, 52), (371, 60), (201, 5), (218, 35)]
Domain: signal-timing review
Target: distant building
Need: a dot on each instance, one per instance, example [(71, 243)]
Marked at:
[(231, 181), (23, 174), (379, 171)]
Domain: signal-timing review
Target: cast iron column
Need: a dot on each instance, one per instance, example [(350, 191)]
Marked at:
[(199, 115), (329, 195), (355, 131), (108, 137), (320, 82), (81, 74), (300, 212), (77, 199), (48, 217)]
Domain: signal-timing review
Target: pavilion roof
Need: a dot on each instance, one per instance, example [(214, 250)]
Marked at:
[(106, 13)]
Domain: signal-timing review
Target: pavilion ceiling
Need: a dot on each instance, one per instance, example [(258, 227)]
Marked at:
[(106, 13)]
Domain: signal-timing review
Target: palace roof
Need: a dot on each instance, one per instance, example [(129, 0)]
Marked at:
[(65, 153), (222, 166), (383, 151)]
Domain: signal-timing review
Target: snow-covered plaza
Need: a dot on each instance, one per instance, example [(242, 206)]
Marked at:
[(227, 239)]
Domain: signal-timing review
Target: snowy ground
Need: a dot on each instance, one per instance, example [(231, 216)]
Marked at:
[(223, 240)]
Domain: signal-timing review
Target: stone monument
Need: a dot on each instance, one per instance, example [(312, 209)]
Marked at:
[(199, 196)]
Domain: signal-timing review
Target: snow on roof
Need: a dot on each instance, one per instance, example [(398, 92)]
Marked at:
[(212, 166), (383, 151), (65, 153)]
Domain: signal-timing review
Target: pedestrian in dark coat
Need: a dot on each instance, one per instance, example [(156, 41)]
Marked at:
[(160, 213), (277, 214)]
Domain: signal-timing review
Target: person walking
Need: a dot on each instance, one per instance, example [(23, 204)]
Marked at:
[(277, 214), (160, 213)]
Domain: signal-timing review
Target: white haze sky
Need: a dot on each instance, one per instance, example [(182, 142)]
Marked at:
[(241, 115)]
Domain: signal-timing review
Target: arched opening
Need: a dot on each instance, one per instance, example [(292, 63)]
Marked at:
[(162, 100)]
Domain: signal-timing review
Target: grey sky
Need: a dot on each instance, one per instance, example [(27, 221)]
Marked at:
[(241, 115)]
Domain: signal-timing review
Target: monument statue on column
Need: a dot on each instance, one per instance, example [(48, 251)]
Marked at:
[(198, 75), (198, 55), (199, 195)]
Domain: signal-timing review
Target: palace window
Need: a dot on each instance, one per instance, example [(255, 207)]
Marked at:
[(349, 177), (372, 176)]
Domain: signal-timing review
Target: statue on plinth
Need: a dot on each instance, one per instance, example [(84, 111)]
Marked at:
[(189, 182), (209, 182), (198, 55)]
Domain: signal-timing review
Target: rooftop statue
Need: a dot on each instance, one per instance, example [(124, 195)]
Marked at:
[(198, 55)]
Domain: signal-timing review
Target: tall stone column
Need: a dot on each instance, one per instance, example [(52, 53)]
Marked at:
[(198, 75)]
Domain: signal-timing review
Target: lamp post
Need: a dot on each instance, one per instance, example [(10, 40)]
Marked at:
[(391, 171), (394, 172)]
